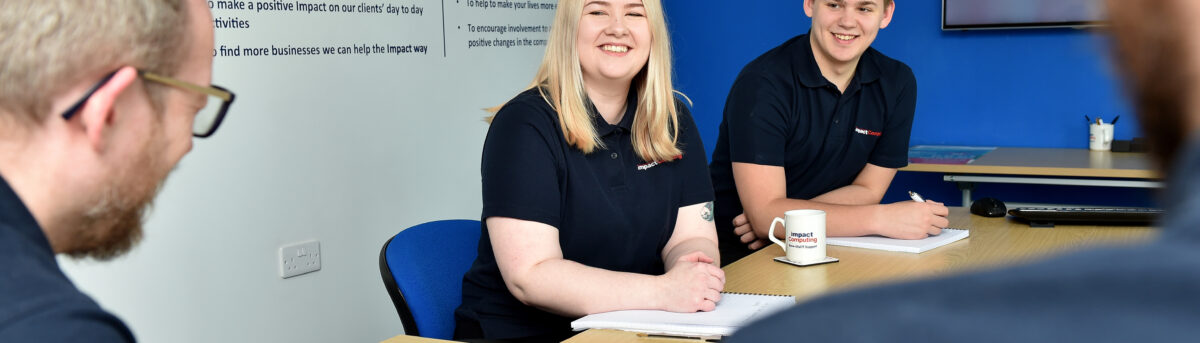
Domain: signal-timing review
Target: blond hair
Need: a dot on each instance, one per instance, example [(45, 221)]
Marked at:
[(560, 81), (48, 46)]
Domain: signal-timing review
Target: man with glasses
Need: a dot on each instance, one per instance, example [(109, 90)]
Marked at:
[(98, 102)]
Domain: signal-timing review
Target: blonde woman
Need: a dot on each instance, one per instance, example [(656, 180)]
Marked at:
[(596, 195)]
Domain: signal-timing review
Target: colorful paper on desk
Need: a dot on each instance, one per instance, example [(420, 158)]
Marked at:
[(935, 154), (733, 311), (915, 246)]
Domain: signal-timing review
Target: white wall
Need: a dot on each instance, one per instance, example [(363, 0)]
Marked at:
[(345, 149)]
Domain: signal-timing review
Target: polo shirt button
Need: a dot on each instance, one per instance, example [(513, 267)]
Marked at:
[(835, 121), (614, 155)]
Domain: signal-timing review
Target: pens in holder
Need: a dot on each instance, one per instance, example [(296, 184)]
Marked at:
[(1089, 120), (1114, 122), (916, 197)]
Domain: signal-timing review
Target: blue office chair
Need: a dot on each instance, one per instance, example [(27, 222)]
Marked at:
[(423, 267)]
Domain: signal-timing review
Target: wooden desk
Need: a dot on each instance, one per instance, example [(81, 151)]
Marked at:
[(993, 242), (1050, 166)]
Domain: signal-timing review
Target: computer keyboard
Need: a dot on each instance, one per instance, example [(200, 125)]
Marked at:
[(1051, 215)]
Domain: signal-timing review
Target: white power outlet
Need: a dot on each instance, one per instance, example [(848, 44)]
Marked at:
[(299, 258)]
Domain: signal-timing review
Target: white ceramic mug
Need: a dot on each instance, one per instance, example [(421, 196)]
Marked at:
[(1100, 137), (804, 235)]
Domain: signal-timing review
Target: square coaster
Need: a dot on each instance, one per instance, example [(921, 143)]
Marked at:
[(828, 259)]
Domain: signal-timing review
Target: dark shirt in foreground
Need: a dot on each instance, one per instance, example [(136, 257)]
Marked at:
[(37, 302)]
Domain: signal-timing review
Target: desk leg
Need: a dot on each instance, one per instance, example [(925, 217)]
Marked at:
[(966, 188)]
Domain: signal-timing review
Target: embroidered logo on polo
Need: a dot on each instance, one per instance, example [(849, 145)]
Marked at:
[(655, 163), (863, 131)]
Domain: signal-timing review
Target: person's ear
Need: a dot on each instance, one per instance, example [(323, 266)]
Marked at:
[(888, 10), (98, 113), (808, 7)]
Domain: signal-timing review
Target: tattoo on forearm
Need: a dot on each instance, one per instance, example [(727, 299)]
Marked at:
[(707, 211)]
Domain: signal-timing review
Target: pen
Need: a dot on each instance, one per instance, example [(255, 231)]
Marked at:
[(1114, 122), (1089, 120), (916, 197)]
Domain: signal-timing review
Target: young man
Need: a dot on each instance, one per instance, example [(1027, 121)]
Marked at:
[(1145, 293), (98, 102), (820, 122)]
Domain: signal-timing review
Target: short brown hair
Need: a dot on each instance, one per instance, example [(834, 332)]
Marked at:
[(50, 45)]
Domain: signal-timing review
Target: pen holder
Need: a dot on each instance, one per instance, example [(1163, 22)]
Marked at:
[(1100, 137)]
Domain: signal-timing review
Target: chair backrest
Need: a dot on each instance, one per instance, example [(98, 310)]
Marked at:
[(423, 267)]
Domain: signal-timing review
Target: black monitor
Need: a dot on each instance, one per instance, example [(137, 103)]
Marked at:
[(1014, 14)]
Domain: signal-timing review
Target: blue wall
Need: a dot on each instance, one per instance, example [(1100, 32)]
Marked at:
[(1019, 88)]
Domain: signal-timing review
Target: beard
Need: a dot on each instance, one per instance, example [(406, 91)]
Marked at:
[(113, 225)]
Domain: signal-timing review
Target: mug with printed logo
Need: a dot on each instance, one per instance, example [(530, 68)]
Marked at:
[(804, 235), (1100, 137)]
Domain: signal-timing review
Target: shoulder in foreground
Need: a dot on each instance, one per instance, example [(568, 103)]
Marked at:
[(63, 316)]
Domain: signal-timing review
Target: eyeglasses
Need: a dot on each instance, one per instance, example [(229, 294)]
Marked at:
[(207, 119)]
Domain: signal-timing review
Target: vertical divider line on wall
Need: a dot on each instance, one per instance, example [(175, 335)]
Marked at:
[(443, 28)]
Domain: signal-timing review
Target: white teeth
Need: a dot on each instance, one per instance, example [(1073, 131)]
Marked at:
[(615, 48), (843, 37)]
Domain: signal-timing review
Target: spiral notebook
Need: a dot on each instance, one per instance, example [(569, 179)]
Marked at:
[(733, 311)]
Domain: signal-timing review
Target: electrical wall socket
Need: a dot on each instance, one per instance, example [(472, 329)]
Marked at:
[(299, 258)]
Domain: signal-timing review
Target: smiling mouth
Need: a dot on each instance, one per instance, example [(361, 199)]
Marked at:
[(844, 38), (620, 49)]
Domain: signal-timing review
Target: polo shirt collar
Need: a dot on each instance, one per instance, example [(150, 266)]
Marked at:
[(15, 216), (603, 128), (809, 72)]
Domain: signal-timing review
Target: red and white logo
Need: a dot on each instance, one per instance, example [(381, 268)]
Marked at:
[(863, 131), (655, 163)]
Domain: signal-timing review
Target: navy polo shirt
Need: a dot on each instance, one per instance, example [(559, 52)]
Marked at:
[(37, 302), (612, 210), (782, 112)]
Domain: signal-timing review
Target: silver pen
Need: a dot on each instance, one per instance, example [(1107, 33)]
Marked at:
[(916, 197)]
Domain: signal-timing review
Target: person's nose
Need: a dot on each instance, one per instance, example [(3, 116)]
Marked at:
[(616, 26), (846, 21)]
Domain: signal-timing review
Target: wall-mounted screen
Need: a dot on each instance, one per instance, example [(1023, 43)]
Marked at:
[(1009, 14)]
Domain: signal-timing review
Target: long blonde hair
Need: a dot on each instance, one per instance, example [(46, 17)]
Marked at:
[(560, 81)]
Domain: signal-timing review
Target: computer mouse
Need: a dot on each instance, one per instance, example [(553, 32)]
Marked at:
[(988, 207)]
